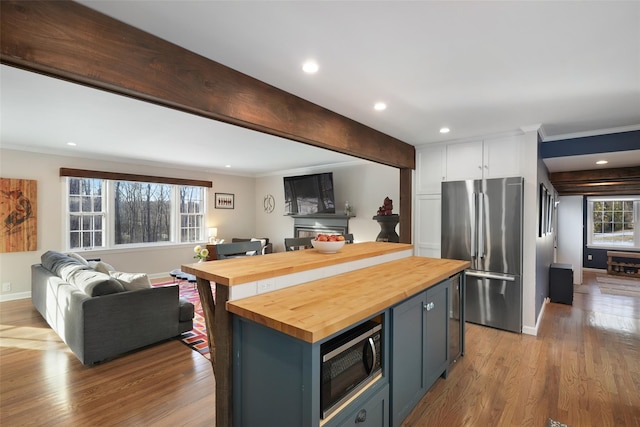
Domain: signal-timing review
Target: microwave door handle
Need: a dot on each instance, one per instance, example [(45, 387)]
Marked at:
[(373, 353)]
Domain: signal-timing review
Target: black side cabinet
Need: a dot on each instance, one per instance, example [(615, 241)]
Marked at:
[(561, 283)]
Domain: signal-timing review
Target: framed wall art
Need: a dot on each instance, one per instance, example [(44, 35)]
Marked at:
[(546, 215), (18, 209), (542, 216), (224, 200)]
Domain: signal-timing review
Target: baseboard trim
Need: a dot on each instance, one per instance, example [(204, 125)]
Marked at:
[(534, 331), (15, 296)]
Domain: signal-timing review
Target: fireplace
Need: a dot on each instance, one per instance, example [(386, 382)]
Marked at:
[(312, 225)]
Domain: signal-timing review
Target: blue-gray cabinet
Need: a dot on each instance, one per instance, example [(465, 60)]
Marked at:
[(436, 330), (367, 411), (276, 382), (419, 347), (276, 377), (407, 361)]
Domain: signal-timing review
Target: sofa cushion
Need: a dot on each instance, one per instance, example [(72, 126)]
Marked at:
[(60, 264), (94, 283), (72, 271), (131, 281)]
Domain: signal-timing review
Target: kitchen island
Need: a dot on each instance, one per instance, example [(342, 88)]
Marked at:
[(361, 281), (247, 276)]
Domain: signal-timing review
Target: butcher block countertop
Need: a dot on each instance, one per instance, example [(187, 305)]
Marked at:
[(313, 311), (235, 271)]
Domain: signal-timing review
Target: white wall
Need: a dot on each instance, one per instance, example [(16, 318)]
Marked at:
[(45, 168), (545, 247), (529, 164), (363, 184), (570, 234)]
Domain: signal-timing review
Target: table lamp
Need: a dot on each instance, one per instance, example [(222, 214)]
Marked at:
[(213, 233)]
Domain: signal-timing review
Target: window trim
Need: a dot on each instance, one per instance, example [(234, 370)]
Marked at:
[(116, 176), (636, 222), (108, 238)]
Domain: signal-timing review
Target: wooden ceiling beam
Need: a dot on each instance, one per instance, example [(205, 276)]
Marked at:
[(615, 181), (67, 40)]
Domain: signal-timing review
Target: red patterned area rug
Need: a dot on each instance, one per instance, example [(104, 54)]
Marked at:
[(196, 338)]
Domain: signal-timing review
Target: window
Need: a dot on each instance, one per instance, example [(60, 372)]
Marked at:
[(611, 222), (191, 214), (86, 212), (107, 213)]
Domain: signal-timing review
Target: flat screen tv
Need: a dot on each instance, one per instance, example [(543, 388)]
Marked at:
[(309, 194)]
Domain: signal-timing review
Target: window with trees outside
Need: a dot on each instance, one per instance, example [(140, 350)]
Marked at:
[(106, 214), (612, 221)]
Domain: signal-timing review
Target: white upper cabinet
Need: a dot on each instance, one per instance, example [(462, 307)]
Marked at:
[(490, 158), (502, 157), (457, 161), (464, 161), (430, 169)]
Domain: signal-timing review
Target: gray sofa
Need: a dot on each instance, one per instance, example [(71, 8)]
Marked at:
[(94, 313)]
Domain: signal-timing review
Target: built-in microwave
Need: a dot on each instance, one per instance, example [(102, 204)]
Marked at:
[(350, 361)]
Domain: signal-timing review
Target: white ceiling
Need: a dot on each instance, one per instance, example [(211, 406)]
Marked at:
[(477, 67)]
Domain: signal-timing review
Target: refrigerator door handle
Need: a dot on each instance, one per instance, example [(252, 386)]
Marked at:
[(481, 236), (494, 276), (473, 226)]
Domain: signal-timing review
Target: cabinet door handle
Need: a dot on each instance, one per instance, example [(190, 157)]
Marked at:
[(362, 416), (428, 307)]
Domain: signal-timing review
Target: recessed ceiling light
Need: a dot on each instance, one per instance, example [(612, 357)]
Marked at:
[(227, 166), (444, 130), (380, 106), (310, 67), (602, 162), (71, 144)]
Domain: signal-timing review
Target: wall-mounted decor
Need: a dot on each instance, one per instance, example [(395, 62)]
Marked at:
[(224, 200), (547, 204), (550, 209), (18, 203), (268, 203)]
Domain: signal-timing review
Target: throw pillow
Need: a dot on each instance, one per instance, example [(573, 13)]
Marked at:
[(78, 258), (132, 281), (263, 242), (103, 267)]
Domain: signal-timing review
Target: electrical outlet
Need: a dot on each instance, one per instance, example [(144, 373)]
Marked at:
[(590, 257), (265, 286), (6, 287)]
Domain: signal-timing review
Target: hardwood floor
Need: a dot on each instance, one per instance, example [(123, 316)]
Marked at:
[(582, 369), (43, 383)]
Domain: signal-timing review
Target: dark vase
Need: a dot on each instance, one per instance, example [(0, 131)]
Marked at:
[(388, 225)]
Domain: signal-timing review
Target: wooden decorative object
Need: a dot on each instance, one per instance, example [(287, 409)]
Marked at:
[(18, 208)]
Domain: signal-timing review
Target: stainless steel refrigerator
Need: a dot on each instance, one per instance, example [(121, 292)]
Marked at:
[(482, 223)]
